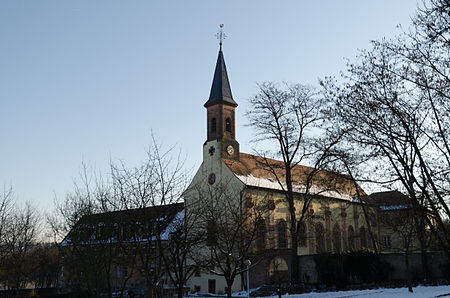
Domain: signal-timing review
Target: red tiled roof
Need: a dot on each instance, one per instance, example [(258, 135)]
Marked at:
[(325, 182)]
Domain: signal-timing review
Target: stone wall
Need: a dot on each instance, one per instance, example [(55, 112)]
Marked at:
[(436, 263), (259, 275)]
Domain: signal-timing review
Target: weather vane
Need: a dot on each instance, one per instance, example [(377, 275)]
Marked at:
[(220, 35)]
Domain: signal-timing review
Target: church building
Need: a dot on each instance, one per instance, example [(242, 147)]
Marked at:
[(239, 207), (334, 221)]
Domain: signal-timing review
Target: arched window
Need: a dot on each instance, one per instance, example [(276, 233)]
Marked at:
[(362, 236), (278, 269), (261, 234), (320, 238), (282, 243), (337, 238), (228, 124), (211, 233), (301, 233), (213, 125), (351, 238)]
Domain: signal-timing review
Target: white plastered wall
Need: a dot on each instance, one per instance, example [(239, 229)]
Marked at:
[(212, 164)]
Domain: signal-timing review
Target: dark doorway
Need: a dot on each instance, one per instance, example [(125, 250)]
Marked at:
[(212, 286)]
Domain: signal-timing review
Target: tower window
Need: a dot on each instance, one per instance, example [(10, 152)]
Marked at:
[(228, 124), (213, 125)]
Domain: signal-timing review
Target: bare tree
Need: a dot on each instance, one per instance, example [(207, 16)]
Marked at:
[(6, 206), (19, 230), (231, 228), (404, 228), (424, 52), (88, 251), (159, 181), (42, 263), (347, 161), (181, 251), (290, 117), (392, 106), (112, 225)]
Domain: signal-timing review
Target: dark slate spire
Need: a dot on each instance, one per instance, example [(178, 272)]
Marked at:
[(220, 90)]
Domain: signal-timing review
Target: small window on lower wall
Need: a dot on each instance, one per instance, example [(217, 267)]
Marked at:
[(197, 288), (387, 241), (212, 286)]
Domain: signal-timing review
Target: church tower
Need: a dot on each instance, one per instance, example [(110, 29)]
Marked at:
[(220, 110)]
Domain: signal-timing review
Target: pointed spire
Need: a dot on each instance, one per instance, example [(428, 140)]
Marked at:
[(220, 90)]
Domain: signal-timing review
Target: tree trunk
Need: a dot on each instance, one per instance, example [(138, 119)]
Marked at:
[(150, 290), (424, 259), (293, 230), (229, 288), (180, 291), (294, 259), (408, 271), (423, 246)]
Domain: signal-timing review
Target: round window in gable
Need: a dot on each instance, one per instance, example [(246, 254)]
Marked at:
[(211, 178)]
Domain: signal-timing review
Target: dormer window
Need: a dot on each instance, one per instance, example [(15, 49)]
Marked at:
[(228, 124), (213, 125)]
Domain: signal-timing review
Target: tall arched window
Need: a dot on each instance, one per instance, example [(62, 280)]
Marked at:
[(320, 238), (228, 124), (282, 243), (301, 231), (261, 234), (336, 238), (362, 236), (213, 125), (211, 233), (351, 238)]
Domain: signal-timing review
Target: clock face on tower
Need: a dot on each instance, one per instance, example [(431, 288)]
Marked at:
[(230, 150)]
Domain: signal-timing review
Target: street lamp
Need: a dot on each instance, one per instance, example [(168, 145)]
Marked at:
[(248, 263)]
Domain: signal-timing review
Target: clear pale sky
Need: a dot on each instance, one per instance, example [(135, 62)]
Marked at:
[(89, 80)]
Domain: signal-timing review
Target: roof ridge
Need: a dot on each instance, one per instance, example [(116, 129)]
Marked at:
[(124, 211)]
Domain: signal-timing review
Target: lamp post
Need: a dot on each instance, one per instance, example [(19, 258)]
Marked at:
[(248, 263)]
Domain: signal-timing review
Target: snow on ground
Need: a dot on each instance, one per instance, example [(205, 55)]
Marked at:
[(420, 291)]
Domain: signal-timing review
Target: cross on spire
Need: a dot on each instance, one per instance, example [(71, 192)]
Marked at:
[(221, 35)]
